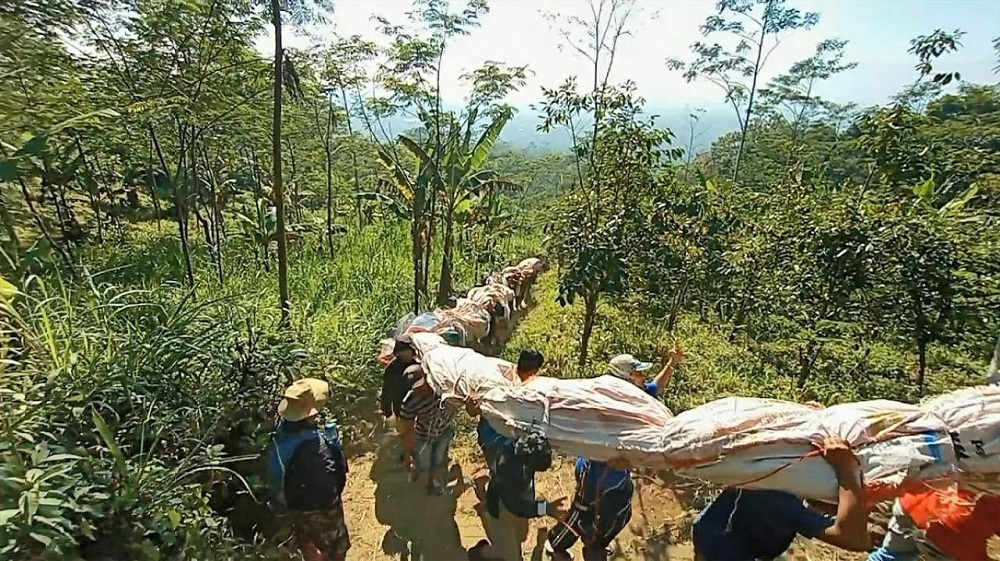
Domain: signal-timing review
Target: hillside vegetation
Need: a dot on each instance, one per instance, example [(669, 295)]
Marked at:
[(186, 227)]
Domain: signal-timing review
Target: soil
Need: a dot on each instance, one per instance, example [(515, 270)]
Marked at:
[(392, 519)]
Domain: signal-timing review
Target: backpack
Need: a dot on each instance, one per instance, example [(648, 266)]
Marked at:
[(283, 446)]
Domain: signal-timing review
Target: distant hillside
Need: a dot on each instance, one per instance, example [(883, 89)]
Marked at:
[(522, 130)]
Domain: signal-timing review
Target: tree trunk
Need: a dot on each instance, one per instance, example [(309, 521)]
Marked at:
[(750, 99), (92, 192), (589, 317), (418, 256), (296, 210), (922, 363), (354, 160), (329, 172), (216, 213), (447, 259), (806, 362), (279, 195), (180, 205), (678, 303), (151, 180)]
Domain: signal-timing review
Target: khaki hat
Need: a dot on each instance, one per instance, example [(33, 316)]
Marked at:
[(303, 399), (623, 366)]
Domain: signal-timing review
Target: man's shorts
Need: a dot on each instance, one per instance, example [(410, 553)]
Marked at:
[(325, 529)]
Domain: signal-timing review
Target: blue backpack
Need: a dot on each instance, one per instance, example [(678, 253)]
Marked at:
[(284, 443)]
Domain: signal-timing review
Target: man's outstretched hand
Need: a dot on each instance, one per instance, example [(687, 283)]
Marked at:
[(837, 452), (675, 356)]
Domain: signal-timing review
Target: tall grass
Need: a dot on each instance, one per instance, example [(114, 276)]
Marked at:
[(130, 395)]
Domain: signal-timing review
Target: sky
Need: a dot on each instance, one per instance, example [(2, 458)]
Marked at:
[(516, 32)]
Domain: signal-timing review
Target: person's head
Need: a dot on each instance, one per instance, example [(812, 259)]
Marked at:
[(528, 363), (403, 349), (535, 451), (418, 379), (304, 400), (630, 369)]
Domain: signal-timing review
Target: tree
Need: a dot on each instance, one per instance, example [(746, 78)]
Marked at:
[(412, 77), (757, 27), (342, 71), (793, 94), (600, 221), (300, 11)]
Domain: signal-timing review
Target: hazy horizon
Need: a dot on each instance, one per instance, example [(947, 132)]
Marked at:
[(516, 32)]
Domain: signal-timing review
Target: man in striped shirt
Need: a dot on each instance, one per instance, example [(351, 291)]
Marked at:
[(427, 431)]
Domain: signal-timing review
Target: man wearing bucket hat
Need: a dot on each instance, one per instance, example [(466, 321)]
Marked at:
[(631, 369), (308, 472)]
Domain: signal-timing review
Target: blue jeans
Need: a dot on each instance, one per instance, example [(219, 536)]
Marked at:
[(432, 453)]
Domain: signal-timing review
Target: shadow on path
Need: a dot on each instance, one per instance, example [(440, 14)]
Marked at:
[(421, 527)]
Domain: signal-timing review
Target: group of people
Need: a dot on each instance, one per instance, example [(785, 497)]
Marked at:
[(602, 504), (309, 471)]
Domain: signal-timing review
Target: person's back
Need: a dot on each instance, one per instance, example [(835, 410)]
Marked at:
[(317, 472), (942, 523), (745, 524), (307, 470), (749, 525)]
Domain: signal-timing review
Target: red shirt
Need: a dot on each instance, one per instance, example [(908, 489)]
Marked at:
[(954, 521)]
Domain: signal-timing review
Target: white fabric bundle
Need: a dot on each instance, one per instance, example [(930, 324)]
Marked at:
[(601, 418), (767, 444), (973, 417), (456, 373)]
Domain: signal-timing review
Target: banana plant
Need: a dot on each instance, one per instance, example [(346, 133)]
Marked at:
[(462, 175), (258, 228)]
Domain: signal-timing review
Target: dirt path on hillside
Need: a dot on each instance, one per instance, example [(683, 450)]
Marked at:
[(392, 519)]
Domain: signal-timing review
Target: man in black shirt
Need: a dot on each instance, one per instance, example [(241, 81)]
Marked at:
[(510, 497), (395, 384)]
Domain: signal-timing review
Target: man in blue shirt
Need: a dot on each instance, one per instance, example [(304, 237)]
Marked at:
[(751, 525), (602, 505), (630, 369)]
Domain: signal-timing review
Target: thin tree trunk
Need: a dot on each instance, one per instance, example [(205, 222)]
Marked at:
[(179, 202), (354, 159), (93, 195), (279, 195), (151, 180), (418, 254), (922, 363), (589, 317), (37, 217), (296, 209), (750, 99), (216, 216), (329, 171), (447, 259)]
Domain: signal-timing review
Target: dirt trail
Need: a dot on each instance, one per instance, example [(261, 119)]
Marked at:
[(392, 519)]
